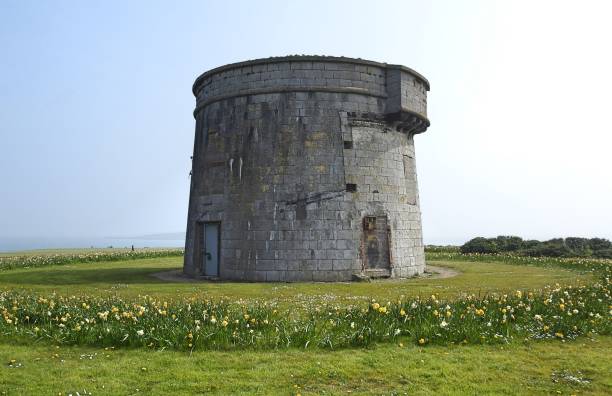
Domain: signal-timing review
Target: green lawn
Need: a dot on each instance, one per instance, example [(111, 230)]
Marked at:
[(386, 369), (133, 278), (534, 367)]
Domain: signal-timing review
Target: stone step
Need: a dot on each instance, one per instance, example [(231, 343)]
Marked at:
[(378, 272)]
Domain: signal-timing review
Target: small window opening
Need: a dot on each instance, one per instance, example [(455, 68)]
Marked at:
[(369, 223), (351, 187), (348, 144)]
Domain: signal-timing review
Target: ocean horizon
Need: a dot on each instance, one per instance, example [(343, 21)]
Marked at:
[(170, 240), (12, 244)]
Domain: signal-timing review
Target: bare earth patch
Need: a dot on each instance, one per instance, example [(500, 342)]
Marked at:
[(431, 272)]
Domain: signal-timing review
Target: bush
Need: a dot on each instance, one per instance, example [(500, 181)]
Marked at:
[(479, 245), (531, 243), (509, 243), (580, 246), (442, 249), (556, 247), (597, 244), (605, 253), (549, 249)]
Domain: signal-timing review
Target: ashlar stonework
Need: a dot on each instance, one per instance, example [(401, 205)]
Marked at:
[(304, 170)]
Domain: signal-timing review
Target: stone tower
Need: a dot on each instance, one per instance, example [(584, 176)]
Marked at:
[(304, 170)]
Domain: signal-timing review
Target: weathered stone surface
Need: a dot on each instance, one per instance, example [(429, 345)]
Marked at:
[(295, 156)]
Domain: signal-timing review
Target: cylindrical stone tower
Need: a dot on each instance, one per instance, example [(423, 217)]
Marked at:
[(304, 170)]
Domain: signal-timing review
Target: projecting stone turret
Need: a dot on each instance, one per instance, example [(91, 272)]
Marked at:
[(304, 169)]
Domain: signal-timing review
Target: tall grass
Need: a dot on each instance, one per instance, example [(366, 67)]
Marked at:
[(30, 261), (578, 264), (555, 312)]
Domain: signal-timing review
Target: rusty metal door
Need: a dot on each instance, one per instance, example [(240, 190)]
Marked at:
[(376, 242)]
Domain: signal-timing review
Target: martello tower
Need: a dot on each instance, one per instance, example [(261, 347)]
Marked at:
[(304, 170)]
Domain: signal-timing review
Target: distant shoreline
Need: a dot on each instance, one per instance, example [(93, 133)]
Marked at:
[(25, 244)]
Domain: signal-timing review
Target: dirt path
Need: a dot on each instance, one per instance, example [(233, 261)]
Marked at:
[(431, 272)]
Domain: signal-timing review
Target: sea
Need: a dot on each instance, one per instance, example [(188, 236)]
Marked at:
[(12, 244), (170, 240)]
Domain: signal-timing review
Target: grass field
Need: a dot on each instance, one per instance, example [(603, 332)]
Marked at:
[(130, 279), (581, 366), (385, 369)]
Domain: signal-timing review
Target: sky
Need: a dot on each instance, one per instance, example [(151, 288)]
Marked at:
[(96, 124)]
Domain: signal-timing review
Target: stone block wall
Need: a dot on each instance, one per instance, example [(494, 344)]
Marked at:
[(278, 143), (381, 164)]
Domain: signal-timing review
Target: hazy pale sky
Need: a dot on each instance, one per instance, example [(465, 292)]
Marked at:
[(96, 125)]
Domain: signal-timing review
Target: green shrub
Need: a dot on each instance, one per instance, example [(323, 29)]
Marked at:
[(549, 249), (579, 246), (509, 243), (605, 254), (597, 244), (442, 249), (556, 247), (479, 245)]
